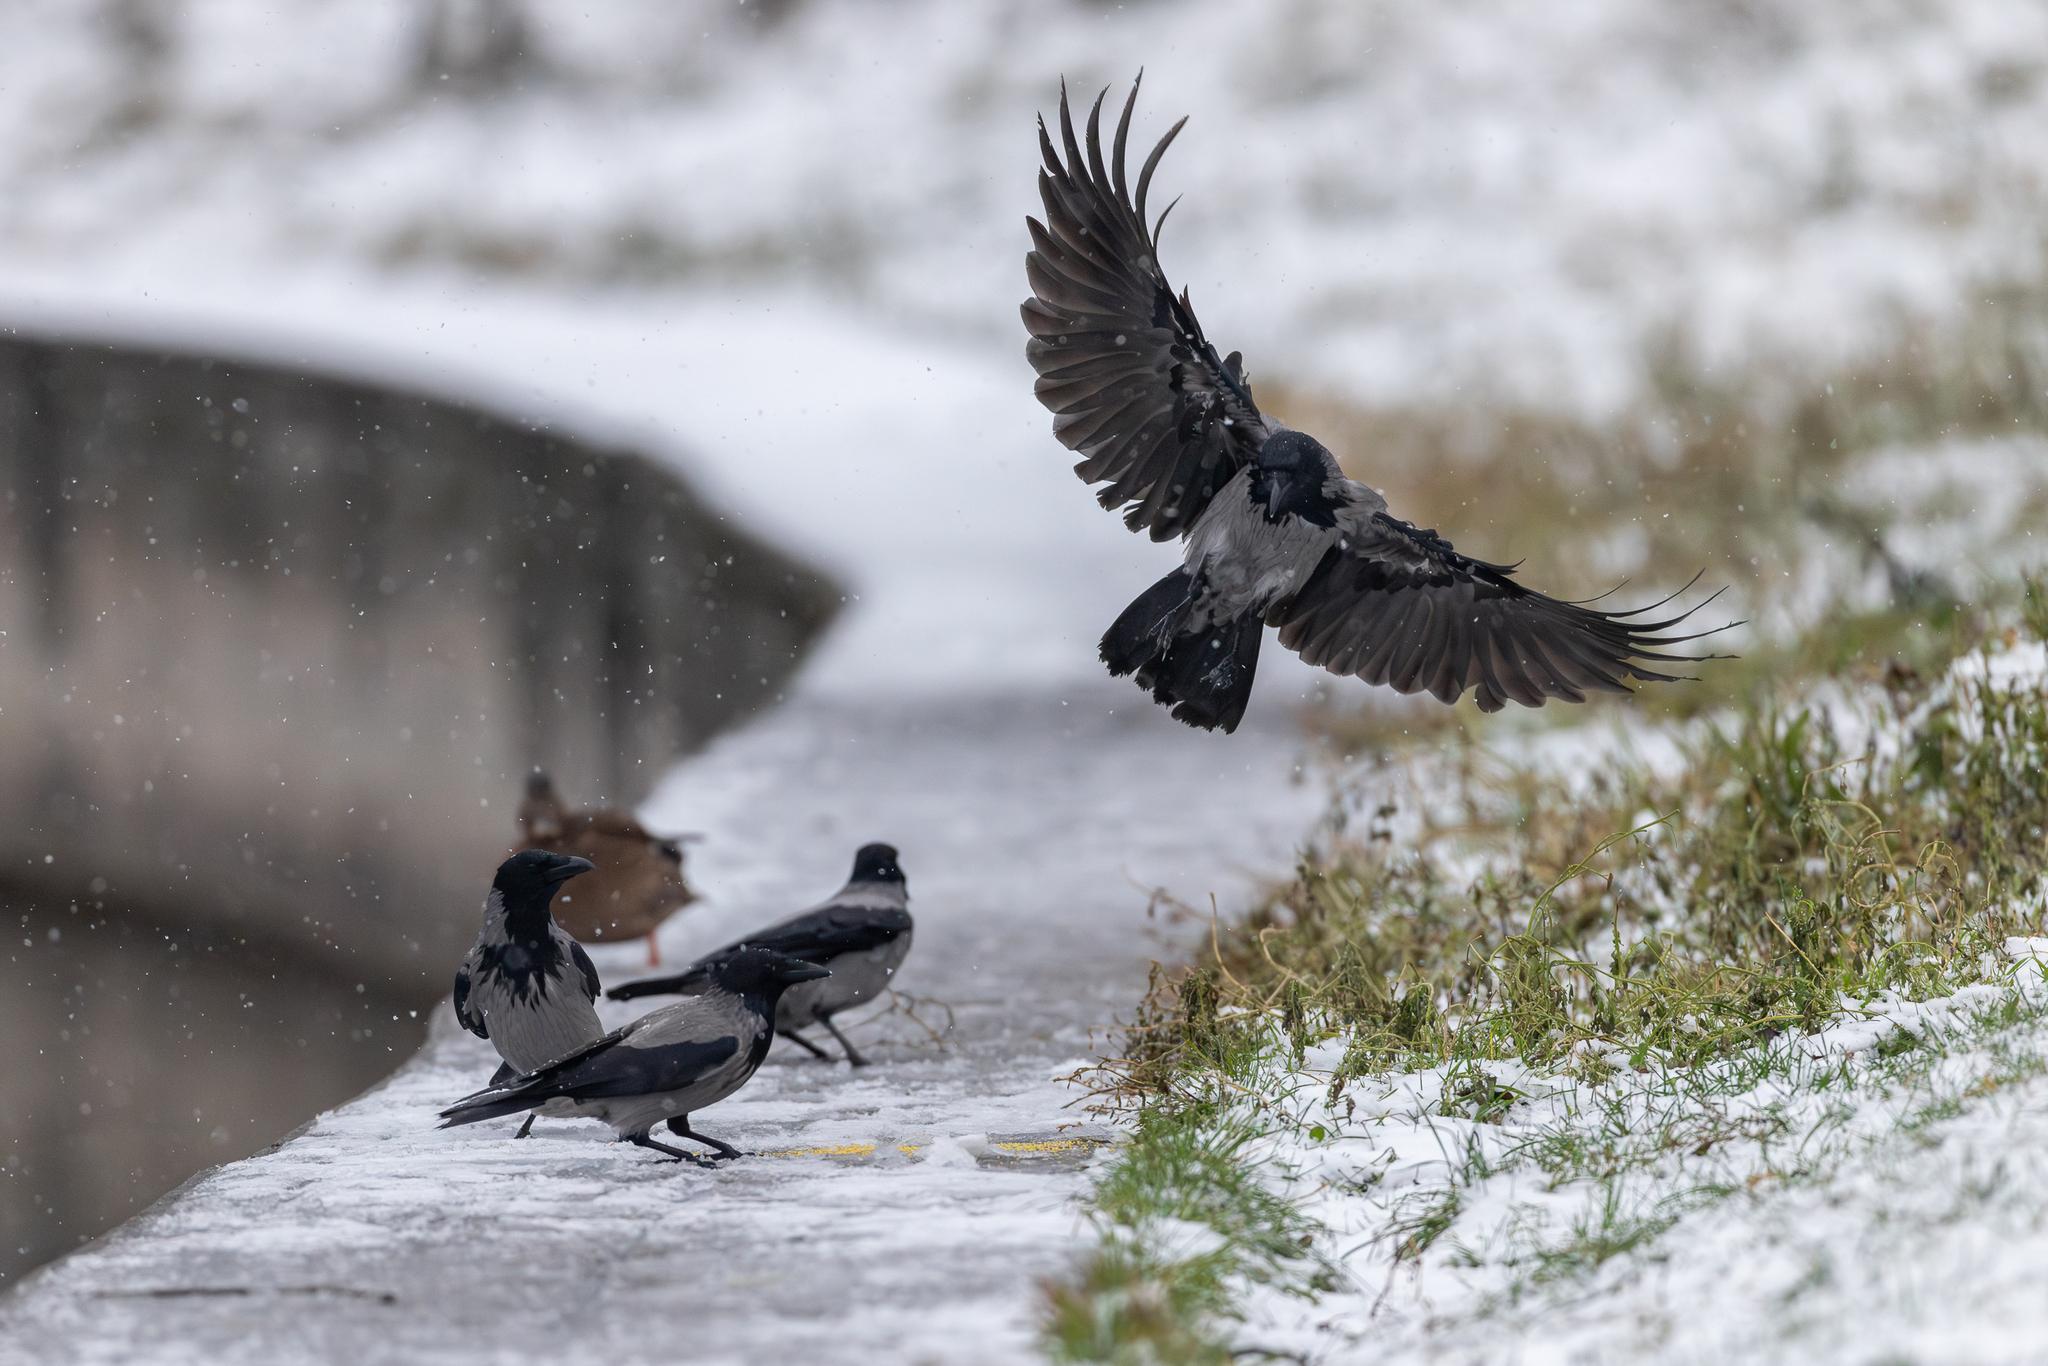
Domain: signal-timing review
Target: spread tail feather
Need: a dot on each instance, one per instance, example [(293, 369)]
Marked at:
[(1208, 673), (1142, 632), (1205, 674)]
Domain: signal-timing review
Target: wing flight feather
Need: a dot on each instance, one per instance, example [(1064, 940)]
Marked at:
[(1399, 606), (1134, 386)]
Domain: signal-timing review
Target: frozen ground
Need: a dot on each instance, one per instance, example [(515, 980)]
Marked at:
[(891, 1227)]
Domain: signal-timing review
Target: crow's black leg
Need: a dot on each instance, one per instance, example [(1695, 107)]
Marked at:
[(795, 1037), (852, 1054), (527, 1127), (643, 1141), (681, 1125)]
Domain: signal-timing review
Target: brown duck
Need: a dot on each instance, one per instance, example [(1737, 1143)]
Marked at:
[(637, 880)]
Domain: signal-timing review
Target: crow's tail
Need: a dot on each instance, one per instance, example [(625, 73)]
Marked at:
[(1205, 674), (488, 1105), (1141, 633)]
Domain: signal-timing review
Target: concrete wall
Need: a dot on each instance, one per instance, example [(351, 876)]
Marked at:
[(278, 650)]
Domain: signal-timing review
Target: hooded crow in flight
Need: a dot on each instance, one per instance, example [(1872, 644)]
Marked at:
[(666, 1065), (638, 882), (526, 986), (1276, 535), (862, 932)]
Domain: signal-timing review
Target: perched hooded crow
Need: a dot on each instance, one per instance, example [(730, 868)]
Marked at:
[(527, 986), (1276, 535), (862, 932), (666, 1065), (639, 878)]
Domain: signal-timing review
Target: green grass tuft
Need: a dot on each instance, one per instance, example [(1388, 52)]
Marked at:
[(1184, 1219)]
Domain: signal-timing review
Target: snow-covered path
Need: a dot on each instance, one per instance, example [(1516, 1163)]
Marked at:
[(956, 710), (906, 1233)]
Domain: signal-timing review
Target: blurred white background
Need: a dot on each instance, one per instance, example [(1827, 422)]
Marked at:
[(783, 240)]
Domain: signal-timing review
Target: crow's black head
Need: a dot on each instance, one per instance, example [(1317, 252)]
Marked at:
[(1288, 479), (531, 876), (749, 971), (1297, 453), (876, 863)]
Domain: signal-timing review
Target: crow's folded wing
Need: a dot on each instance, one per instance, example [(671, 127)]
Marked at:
[(624, 1070), (1133, 385), (675, 983), (815, 936), (591, 985), (1396, 605), (526, 1090), (471, 962), (603, 1067), (820, 936)]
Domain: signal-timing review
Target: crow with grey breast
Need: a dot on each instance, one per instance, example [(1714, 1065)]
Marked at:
[(526, 985), (1276, 535), (666, 1065), (862, 932)]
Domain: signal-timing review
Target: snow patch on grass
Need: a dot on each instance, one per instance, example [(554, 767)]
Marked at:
[(1878, 1187), (1762, 1077)]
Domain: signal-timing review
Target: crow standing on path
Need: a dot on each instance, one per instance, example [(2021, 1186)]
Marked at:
[(862, 932), (638, 882), (526, 986), (667, 1064), (1276, 535)]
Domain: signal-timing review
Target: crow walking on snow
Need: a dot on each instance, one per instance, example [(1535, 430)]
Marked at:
[(1276, 535), (862, 932), (666, 1065)]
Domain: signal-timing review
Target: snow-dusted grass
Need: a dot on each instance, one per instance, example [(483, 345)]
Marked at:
[(1520, 1102), (1502, 1211)]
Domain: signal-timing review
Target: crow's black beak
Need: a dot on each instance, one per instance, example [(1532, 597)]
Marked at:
[(1276, 489), (568, 868), (800, 972)]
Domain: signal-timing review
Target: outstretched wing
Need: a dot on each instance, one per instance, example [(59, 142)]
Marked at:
[(1398, 606), (1133, 384)]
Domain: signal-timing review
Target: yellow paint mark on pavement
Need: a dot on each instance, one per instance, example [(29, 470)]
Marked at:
[(1047, 1147), (835, 1150)]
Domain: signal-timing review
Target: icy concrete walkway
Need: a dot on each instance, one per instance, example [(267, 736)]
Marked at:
[(901, 1214)]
